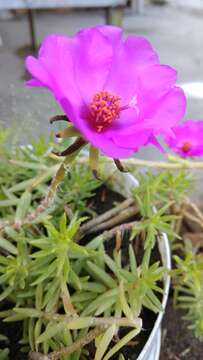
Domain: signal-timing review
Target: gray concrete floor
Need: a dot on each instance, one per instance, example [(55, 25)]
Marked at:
[(176, 34)]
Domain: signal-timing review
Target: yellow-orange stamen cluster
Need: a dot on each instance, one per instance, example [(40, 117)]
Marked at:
[(186, 146), (104, 109)]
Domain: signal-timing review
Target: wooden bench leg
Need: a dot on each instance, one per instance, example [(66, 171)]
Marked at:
[(138, 6), (114, 16), (30, 15), (107, 16)]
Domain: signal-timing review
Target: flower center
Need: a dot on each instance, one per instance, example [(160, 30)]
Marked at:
[(104, 109), (186, 146)]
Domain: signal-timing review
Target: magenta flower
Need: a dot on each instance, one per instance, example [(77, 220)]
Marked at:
[(187, 139), (114, 91)]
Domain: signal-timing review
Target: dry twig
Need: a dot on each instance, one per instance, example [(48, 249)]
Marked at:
[(37, 356), (123, 216), (183, 164), (77, 345), (106, 216)]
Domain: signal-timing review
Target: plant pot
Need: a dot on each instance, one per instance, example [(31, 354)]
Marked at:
[(122, 183), (151, 351)]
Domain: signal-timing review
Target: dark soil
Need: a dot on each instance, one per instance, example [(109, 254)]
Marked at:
[(178, 342), (14, 332), (104, 200)]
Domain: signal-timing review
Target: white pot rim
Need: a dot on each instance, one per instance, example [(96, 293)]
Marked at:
[(164, 247)]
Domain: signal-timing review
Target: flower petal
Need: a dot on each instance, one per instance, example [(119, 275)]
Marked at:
[(133, 141), (155, 81), (166, 112), (140, 50), (92, 60), (129, 57), (54, 68), (112, 33), (34, 83), (38, 72), (110, 148)]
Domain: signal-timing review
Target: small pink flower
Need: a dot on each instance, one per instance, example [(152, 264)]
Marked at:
[(114, 91), (187, 139)]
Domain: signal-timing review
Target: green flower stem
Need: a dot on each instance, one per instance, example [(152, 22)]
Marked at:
[(94, 159)]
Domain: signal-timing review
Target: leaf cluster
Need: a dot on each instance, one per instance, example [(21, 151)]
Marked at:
[(4, 351), (26, 172), (76, 189), (163, 187), (188, 285), (59, 289)]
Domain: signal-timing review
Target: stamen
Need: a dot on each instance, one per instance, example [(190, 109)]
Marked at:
[(186, 146), (104, 109)]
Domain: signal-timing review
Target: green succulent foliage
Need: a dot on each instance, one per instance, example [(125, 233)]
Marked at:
[(40, 278), (41, 273), (128, 288), (162, 188), (26, 172), (14, 270), (78, 186), (4, 352), (161, 192), (103, 289), (154, 222), (21, 167), (59, 289), (51, 260), (188, 279), (41, 147)]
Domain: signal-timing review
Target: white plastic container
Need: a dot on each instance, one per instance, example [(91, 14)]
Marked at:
[(151, 350)]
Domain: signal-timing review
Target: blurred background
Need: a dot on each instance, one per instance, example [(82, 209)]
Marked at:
[(175, 28)]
